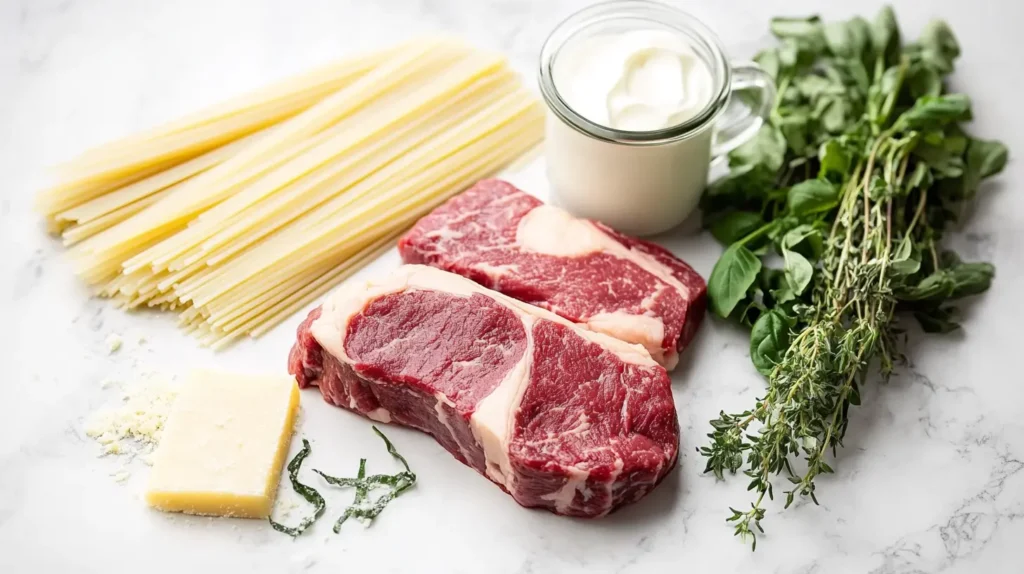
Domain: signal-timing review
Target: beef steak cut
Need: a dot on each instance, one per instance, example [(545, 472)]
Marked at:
[(586, 272), (559, 417)]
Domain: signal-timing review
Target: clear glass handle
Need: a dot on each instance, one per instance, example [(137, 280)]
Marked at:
[(751, 100)]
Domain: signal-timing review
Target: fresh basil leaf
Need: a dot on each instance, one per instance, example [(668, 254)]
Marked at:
[(923, 81), (885, 36), (736, 225), (932, 112), (904, 261), (806, 34), (798, 271), (942, 162), (938, 36), (860, 37), (767, 147), (839, 39), (833, 115), (936, 287), (796, 27), (769, 339), (984, 159), (812, 196), (808, 235), (732, 275), (989, 156), (971, 279), (936, 320), (795, 235), (835, 161), (939, 46)]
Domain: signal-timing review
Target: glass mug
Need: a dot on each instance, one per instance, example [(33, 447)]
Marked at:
[(646, 182)]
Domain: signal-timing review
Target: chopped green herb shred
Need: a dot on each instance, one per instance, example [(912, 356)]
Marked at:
[(361, 490), (361, 507), (310, 494), (392, 451)]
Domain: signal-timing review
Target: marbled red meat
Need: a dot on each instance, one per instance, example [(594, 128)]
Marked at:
[(559, 417), (512, 242)]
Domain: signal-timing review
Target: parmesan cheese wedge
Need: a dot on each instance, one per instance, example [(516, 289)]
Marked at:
[(224, 444)]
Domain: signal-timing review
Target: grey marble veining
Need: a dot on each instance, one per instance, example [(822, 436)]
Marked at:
[(931, 479)]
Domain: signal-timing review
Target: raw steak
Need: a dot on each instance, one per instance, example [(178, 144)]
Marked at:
[(511, 242), (559, 417)]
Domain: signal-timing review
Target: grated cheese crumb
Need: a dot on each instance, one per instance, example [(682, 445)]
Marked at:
[(121, 475), (114, 342), (139, 419)]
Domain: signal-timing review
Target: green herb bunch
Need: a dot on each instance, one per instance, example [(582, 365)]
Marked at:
[(849, 188)]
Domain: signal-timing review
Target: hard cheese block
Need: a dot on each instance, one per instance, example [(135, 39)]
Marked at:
[(224, 444)]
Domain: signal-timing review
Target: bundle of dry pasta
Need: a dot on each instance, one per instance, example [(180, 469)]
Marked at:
[(239, 216)]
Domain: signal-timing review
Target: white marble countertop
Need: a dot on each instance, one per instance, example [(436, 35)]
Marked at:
[(931, 479)]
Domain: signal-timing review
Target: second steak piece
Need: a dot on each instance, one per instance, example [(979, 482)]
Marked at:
[(510, 241)]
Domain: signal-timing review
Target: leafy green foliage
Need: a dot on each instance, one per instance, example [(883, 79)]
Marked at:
[(733, 274), (798, 271), (885, 36), (834, 159), (812, 196), (768, 148), (853, 181), (938, 46), (984, 159), (735, 225), (769, 339), (935, 112)]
